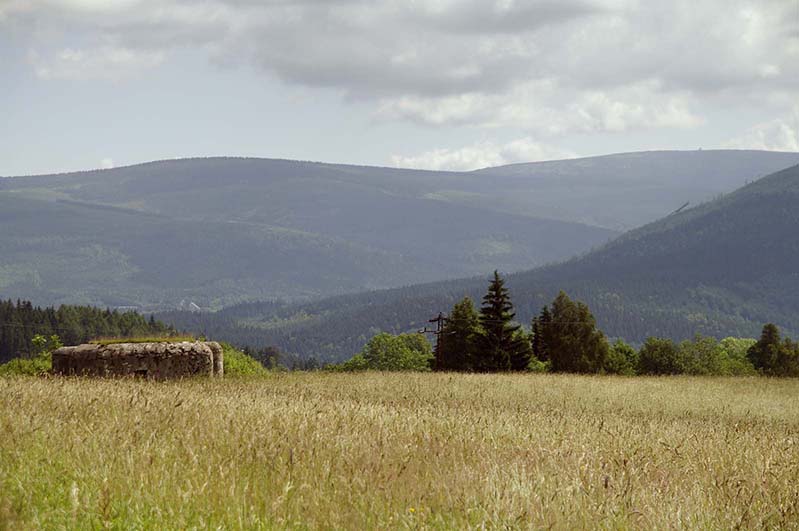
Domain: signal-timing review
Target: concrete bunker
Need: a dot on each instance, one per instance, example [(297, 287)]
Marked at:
[(159, 361)]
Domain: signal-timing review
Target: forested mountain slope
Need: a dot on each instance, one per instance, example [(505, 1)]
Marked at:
[(219, 231), (627, 190), (723, 268)]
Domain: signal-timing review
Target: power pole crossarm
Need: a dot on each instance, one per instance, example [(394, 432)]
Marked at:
[(439, 331)]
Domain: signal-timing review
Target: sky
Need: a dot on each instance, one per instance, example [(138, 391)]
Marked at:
[(434, 84)]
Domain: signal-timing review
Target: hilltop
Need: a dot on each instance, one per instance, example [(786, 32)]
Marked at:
[(220, 231)]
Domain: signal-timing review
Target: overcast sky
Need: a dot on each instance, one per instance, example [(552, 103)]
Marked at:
[(441, 84)]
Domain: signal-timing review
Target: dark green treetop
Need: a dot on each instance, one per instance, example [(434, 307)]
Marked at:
[(773, 356), (502, 346), (459, 336), (573, 341)]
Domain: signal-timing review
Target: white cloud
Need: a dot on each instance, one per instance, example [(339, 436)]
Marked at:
[(109, 63), (546, 109), (781, 134), (482, 155), (107, 163), (548, 66)]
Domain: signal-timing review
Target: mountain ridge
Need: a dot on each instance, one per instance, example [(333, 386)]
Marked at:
[(253, 229)]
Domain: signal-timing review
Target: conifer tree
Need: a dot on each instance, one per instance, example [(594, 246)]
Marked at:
[(539, 327), (501, 346), (765, 352), (773, 356), (20, 323), (459, 337)]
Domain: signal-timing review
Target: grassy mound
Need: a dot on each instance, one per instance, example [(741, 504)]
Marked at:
[(141, 339)]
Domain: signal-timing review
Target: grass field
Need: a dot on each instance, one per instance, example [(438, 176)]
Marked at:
[(360, 451)]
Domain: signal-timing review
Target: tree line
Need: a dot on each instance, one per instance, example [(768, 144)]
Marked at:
[(564, 337), (21, 322)]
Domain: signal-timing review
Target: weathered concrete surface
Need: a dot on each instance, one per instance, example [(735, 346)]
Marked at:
[(148, 360), (219, 358)]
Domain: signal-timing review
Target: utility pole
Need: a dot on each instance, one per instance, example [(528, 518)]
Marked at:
[(438, 332)]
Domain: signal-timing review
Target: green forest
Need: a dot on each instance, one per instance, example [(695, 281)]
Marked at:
[(21, 322), (720, 269), (564, 338)]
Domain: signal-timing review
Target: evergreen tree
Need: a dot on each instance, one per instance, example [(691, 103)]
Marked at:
[(788, 360), (20, 323), (521, 351), (539, 326), (765, 352), (501, 346), (573, 342), (772, 356), (459, 337)]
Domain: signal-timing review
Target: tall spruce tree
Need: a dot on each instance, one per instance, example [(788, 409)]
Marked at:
[(502, 346), (573, 342), (766, 351), (773, 356), (459, 336), (540, 325)]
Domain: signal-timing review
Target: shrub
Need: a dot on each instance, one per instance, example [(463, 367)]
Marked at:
[(702, 356), (40, 363), (539, 366), (355, 363), (622, 359), (237, 363), (735, 361), (385, 352), (660, 356), (36, 366)]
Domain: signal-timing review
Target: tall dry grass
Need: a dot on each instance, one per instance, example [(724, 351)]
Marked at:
[(363, 451)]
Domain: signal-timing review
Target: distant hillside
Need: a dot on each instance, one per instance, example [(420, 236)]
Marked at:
[(220, 231), (723, 268), (627, 190)]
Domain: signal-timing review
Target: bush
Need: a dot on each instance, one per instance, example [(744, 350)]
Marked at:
[(660, 356), (355, 363), (702, 356), (735, 361), (539, 366), (622, 359), (385, 352), (237, 363), (40, 363), (36, 366)]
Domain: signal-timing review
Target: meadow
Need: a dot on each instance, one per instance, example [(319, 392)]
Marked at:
[(377, 450)]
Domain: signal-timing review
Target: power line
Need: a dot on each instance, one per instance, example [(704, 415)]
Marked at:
[(496, 321)]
